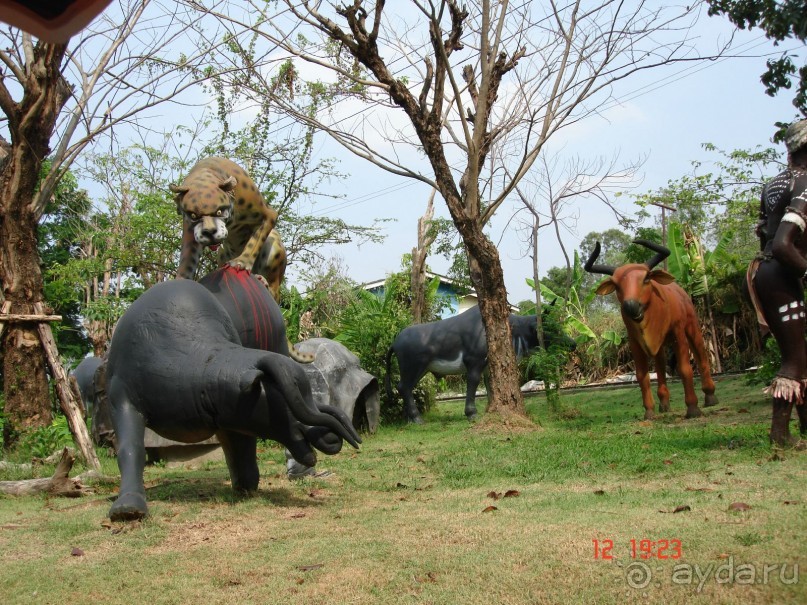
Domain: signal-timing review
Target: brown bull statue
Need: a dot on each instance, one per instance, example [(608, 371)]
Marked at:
[(657, 311)]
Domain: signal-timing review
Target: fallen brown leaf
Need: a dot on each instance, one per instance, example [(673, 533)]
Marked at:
[(311, 567), (488, 509), (77, 552), (678, 509), (512, 493), (599, 492), (739, 506), (494, 494)]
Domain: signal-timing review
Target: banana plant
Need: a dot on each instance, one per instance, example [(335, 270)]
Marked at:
[(692, 266)]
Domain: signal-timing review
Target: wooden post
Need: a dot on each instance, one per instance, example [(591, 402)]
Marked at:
[(4, 312), (68, 397)]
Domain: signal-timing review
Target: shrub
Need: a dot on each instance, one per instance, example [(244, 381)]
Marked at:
[(43, 441), (769, 365)]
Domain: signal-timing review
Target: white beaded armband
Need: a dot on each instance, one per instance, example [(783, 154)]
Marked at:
[(791, 216)]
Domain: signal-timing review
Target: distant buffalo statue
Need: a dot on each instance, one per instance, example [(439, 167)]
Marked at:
[(456, 345), (177, 364)]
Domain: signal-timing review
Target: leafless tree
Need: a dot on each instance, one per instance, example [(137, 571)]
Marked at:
[(438, 85), (56, 100), (558, 186)]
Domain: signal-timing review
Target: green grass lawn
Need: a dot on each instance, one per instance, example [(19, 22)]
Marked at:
[(448, 512)]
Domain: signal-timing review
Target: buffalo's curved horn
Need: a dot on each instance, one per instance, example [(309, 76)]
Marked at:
[(661, 251), (342, 417), (592, 268), (282, 376), (552, 304)]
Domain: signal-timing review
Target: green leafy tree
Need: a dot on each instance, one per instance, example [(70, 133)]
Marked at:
[(781, 21), (59, 241)]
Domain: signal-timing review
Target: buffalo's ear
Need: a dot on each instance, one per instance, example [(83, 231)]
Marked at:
[(179, 188), (607, 286), (228, 184), (660, 276)]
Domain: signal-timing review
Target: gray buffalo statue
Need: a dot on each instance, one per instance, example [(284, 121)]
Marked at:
[(456, 345), (84, 373), (177, 365), (337, 378), (89, 375)]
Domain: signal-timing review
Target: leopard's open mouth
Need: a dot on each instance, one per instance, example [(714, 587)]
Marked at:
[(214, 247)]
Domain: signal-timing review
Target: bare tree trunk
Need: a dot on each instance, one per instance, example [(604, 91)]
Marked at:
[(27, 400), (504, 399), (30, 122), (419, 254)]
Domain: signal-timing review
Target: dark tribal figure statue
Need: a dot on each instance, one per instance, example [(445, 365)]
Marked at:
[(776, 277)]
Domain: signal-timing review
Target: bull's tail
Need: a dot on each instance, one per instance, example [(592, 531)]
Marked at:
[(387, 379)]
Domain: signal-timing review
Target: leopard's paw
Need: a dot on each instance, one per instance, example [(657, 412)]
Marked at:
[(240, 263)]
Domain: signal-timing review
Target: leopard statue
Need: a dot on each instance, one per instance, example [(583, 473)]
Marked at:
[(222, 208)]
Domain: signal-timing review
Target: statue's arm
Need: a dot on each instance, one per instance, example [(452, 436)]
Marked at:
[(789, 242)]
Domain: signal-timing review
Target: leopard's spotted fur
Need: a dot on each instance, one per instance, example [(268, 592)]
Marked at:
[(221, 205)]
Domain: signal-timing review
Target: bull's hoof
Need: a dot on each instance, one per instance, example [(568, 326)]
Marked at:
[(129, 507), (472, 417), (693, 412), (649, 415), (414, 419), (664, 407), (711, 399)]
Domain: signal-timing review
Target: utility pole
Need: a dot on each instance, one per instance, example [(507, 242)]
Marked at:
[(664, 209)]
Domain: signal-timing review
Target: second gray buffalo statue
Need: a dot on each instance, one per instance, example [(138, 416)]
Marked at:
[(456, 345)]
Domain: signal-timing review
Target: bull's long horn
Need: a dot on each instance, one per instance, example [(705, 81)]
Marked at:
[(661, 251), (592, 268)]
